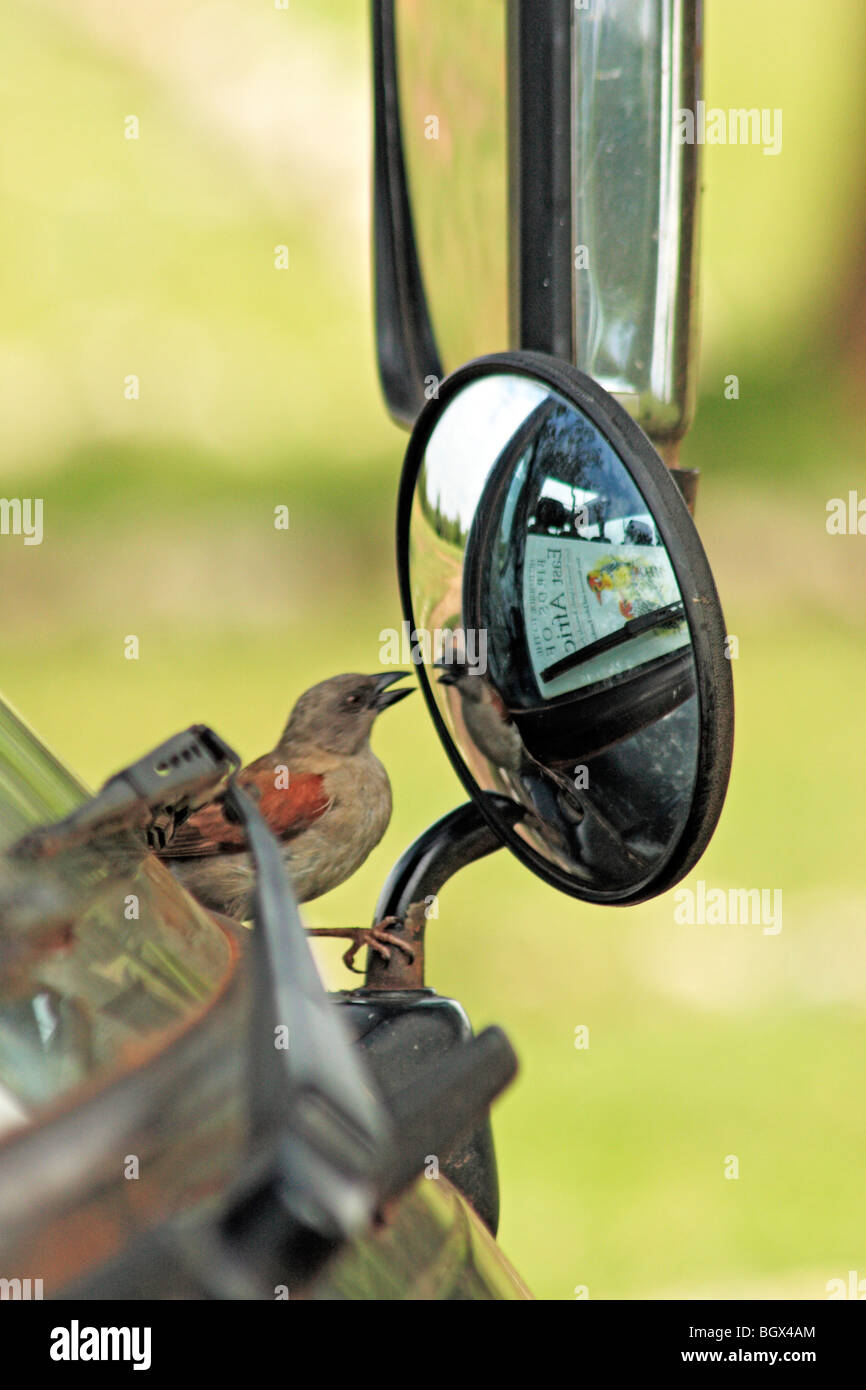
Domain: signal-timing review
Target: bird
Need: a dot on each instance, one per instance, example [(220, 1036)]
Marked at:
[(323, 793), (553, 802), (488, 721), (570, 823)]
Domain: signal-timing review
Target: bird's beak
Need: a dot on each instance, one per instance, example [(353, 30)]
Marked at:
[(449, 672), (382, 697)]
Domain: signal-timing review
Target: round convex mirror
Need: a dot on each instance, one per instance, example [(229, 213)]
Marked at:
[(569, 637)]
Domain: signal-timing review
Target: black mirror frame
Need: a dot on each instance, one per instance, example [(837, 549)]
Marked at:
[(714, 680)]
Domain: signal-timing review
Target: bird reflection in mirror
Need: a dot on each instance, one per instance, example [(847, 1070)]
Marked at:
[(572, 825), (493, 733)]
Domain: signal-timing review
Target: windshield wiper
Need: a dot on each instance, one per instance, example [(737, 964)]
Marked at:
[(633, 627), (325, 1154), (333, 1154)]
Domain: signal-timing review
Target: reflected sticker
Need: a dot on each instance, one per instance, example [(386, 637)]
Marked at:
[(575, 592)]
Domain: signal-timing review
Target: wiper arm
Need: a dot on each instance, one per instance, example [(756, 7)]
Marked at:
[(633, 627), (310, 1100)]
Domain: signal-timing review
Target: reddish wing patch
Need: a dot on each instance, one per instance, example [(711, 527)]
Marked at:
[(499, 705), (288, 811), (292, 809)]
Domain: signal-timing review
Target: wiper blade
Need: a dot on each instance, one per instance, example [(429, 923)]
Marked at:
[(633, 627)]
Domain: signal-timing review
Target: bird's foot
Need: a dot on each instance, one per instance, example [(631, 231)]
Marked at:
[(377, 938)]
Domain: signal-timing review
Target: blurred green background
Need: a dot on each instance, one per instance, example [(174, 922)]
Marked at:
[(155, 258)]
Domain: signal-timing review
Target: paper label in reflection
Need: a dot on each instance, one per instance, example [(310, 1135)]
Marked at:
[(576, 591)]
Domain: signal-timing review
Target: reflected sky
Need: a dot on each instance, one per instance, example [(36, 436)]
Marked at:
[(470, 435)]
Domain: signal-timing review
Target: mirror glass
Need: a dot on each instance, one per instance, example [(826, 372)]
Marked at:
[(451, 66), (549, 621)]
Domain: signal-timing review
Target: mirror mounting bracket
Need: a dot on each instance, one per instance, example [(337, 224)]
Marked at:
[(450, 844)]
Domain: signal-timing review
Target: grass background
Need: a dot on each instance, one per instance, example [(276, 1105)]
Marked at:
[(258, 388)]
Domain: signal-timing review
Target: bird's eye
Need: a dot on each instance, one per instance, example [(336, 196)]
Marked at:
[(351, 699)]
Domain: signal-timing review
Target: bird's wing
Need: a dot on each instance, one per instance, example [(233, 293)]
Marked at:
[(287, 810)]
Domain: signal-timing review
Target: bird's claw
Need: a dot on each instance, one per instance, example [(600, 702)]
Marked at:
[(377, 938)]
